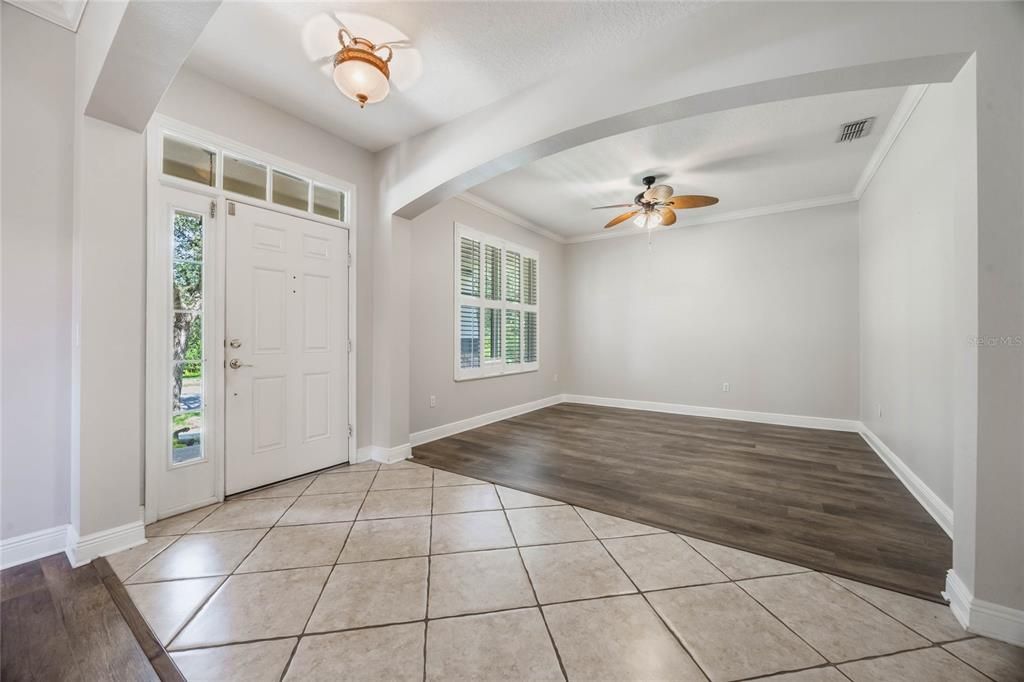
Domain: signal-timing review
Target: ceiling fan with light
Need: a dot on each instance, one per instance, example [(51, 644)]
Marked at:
[(656, 206)]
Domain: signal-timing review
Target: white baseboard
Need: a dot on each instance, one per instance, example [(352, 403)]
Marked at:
[(31, 546), (933, 504), (720, 413), (391, 455), (445, 430), (82, 550), (983, 617), (363, 454)]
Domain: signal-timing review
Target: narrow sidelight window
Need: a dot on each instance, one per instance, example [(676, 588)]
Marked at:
[(187, 338)]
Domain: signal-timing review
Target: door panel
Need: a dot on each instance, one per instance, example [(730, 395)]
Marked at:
[(286, 404)]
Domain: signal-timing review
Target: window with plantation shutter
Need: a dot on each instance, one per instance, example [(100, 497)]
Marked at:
[(496, 306)]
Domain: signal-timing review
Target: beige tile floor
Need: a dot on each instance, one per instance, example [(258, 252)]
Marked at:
[(402, 572)]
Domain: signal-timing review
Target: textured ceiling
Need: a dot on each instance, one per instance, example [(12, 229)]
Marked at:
[(466, 54), (751, 158)]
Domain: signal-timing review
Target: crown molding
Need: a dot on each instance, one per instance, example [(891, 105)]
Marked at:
[(513, 218), (65, 13), (911, 98), (817, 202)]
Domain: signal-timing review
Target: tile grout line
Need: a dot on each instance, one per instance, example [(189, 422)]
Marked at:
[(430, 540), (773, 615), (533, 589), (188, 621), (215, 507), (930, 644), (643, 596), (967, 663), (210, 596), (312, 610), (204, 602), (885, 613)]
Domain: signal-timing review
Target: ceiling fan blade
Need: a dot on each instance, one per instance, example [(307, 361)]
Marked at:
[(397, 44), (692, 201), (620, 219), (668, 216), (612, 206), (658, 193)]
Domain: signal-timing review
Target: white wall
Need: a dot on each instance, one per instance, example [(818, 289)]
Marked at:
[(432, 300), (907, 337), (767, 304), (38, 135), (199, 101)]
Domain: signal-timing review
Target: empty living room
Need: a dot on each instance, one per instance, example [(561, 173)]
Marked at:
[(509, 340)]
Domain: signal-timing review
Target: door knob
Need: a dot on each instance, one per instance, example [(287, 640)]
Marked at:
[(236, 363)]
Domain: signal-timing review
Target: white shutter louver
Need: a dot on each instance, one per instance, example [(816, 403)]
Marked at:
[(529, 336), (513, 276), (469, 337), (492, 272), (512, 338), (469, 267), (492, 334), (530, 281)]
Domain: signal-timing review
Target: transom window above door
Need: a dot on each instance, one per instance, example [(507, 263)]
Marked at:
[(235, 174), (497, 306)]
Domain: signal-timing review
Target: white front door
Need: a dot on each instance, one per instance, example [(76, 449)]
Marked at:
[(286, 336)]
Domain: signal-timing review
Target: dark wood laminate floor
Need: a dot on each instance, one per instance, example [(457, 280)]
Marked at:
[(60, 623), (821, 499)]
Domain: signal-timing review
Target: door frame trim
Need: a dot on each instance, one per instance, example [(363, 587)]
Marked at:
[(158, 288)]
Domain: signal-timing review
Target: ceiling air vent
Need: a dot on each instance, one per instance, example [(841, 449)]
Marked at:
[(854, 130)]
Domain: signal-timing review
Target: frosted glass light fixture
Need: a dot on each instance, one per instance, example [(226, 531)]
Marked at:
[(648, 220), (360, 73)]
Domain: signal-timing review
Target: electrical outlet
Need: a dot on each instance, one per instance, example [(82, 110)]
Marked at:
[(556, 378), (725, 387), (879, 410), (433, 401)]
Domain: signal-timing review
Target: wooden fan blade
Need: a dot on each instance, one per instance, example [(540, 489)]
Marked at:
[(612, 206), (668, 216), (620, 219), (658, 193), (692, 201)]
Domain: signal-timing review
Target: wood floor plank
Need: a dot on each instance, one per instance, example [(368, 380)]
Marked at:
[(60, 623), (817, 498), (35, 645), (103, 645)]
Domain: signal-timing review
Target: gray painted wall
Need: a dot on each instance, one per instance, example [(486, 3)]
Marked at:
[(432, 311), (38, 137), (767, 304), (907, 336)]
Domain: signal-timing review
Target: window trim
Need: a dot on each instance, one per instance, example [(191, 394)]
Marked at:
[(501, 367)]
